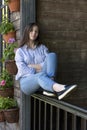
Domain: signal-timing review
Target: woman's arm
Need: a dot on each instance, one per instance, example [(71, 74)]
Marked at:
[(23, 69), (37, 67)]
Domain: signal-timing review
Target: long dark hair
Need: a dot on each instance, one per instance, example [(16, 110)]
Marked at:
[(25, 37)]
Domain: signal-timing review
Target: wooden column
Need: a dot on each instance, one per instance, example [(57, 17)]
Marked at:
[(27, 15)]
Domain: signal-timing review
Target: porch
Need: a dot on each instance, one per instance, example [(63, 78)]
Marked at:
[(50, 114), (63, 27)]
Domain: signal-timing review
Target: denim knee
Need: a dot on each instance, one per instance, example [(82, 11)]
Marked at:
[(52, 54)]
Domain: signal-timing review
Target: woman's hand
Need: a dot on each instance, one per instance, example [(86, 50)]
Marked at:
[(35, 66)]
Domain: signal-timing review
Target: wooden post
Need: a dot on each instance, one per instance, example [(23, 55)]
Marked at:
[(27, 15)]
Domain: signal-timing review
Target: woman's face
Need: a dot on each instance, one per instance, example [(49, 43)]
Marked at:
[(33, 34)]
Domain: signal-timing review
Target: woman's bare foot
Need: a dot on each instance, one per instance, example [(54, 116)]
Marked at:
[(58, 87)]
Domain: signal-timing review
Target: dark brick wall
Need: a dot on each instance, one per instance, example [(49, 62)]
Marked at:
[(63, 27)]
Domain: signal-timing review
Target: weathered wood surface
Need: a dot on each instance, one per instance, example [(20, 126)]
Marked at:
[(9, 126), (78, 98), (64, 30)]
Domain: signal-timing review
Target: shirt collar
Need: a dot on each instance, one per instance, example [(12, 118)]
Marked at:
[(30, 48)]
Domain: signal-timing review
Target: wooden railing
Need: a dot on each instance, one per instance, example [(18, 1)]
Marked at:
[(50, 114)]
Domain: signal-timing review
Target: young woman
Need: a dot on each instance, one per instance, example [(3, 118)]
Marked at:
[(36, 66)]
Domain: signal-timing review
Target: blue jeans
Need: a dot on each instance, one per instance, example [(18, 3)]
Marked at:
[(32, 83)]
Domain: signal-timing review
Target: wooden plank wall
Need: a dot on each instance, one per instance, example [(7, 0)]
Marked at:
[(63, 25), (15, 18)]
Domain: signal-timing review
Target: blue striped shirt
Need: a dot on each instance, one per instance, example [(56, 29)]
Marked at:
[(25, 56)]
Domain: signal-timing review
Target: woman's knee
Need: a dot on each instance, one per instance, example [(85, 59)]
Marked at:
[(52, 54), (52, 57)]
